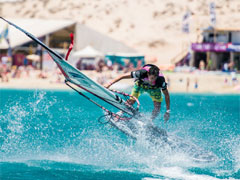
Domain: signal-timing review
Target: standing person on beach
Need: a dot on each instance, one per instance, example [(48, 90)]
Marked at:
[(148, 79), (187, 84)]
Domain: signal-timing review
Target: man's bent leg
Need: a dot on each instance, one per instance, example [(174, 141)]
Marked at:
[(156, 96)]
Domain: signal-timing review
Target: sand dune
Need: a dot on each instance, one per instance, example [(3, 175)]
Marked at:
[(152, 27)]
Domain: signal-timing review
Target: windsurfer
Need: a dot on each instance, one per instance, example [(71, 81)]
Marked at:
[(148, 79)]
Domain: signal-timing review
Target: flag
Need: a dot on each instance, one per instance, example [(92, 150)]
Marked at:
[(185, 22), (4, 33), (9, 52), (212, 13), (6, 37), (1, 36)]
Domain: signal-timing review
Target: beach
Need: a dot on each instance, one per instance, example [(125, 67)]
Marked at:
[(178, 82)]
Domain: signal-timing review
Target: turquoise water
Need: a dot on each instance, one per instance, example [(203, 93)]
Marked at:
[(56, 135)]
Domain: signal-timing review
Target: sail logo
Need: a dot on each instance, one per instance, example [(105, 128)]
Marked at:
[(76, 75), (83, 79)]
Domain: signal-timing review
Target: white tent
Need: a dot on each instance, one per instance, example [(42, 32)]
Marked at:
[(88, 51), (87, 55)]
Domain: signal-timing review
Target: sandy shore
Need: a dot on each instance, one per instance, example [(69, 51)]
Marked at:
[(207, 82)]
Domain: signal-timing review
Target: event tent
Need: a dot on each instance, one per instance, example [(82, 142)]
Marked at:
[(37, 27)]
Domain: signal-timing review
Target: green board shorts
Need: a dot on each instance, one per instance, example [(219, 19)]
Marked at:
[(154, 93)]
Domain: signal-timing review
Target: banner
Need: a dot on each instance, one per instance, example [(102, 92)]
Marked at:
[(233, 47), (215, 47), (204, 47)]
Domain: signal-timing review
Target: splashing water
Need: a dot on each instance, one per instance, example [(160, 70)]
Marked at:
[(59, 130)]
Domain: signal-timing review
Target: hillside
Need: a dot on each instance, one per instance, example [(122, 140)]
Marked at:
[(153, 27)]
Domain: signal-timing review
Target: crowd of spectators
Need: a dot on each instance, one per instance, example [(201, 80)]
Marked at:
[(105, 70), (114, 68), (8, 71)]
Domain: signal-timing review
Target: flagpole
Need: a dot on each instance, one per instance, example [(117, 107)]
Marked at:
[(213, 25)]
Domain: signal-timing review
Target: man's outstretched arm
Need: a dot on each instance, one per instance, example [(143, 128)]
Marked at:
[(167, 100), (124, 76)]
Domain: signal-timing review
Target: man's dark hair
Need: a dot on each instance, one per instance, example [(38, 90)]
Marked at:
[(154, 70)]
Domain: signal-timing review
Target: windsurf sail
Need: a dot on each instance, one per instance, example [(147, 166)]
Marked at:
[(80, 80)]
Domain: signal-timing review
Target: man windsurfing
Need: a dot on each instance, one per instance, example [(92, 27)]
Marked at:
[(148, 79)]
